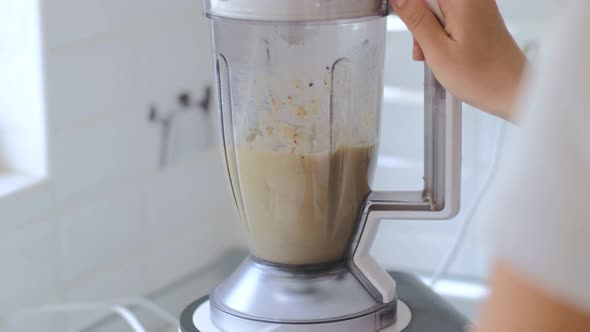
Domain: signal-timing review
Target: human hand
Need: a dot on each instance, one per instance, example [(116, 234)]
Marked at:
[(473, 56)]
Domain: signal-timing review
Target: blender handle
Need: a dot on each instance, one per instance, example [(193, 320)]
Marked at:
[(440, 199), (435, 7)]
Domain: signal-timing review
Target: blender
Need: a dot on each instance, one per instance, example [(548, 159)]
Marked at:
[(299, 86)]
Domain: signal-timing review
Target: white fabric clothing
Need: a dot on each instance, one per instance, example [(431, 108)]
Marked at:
[(539, 205)]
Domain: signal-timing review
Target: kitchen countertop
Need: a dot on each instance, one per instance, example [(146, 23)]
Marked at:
[(176, 297), (430, 312)]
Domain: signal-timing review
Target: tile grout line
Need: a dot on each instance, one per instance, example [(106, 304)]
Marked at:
[(56, 227)]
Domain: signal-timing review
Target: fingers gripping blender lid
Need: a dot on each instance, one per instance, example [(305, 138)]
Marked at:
[(295, 10)]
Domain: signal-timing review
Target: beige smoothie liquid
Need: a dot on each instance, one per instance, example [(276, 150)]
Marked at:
[(302, 208)]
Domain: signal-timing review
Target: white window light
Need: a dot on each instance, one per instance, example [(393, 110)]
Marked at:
[(395, 24), (23, 158), (460, 289), (403, 96)]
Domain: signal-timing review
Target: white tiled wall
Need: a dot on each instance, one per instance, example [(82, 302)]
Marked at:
[(29, 265), (101, 233), (101, 153), (15, 208), (108, 222), (91, 78)]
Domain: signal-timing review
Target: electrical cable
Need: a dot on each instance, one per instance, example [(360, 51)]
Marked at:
[(448, 260), (154, 309), (121, 311), (271, 328), (531, 49), (129, 317), (119, 307)]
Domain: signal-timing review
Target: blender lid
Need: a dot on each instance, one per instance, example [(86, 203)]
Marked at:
[(295, 10)]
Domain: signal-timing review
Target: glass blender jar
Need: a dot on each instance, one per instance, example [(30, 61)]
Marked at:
[(299, 86)]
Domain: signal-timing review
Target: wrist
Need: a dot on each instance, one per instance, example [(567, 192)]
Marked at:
[(513, 86)]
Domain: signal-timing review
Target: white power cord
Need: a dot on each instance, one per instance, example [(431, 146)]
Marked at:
[(129, 317), (452, 254), (119, 307), (271, 328), (531, 49), (154, 309)]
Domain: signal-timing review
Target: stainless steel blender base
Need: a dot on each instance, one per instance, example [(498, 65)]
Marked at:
[(201, 320), (322, 299), (430, 313)]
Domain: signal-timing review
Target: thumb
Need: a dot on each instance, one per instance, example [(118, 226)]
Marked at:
[(423, 24)]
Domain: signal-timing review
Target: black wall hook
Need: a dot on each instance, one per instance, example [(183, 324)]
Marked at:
[(185, 100), (185, 103)]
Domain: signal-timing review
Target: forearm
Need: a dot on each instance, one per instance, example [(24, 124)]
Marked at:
[(503, 97), (516, 306)]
